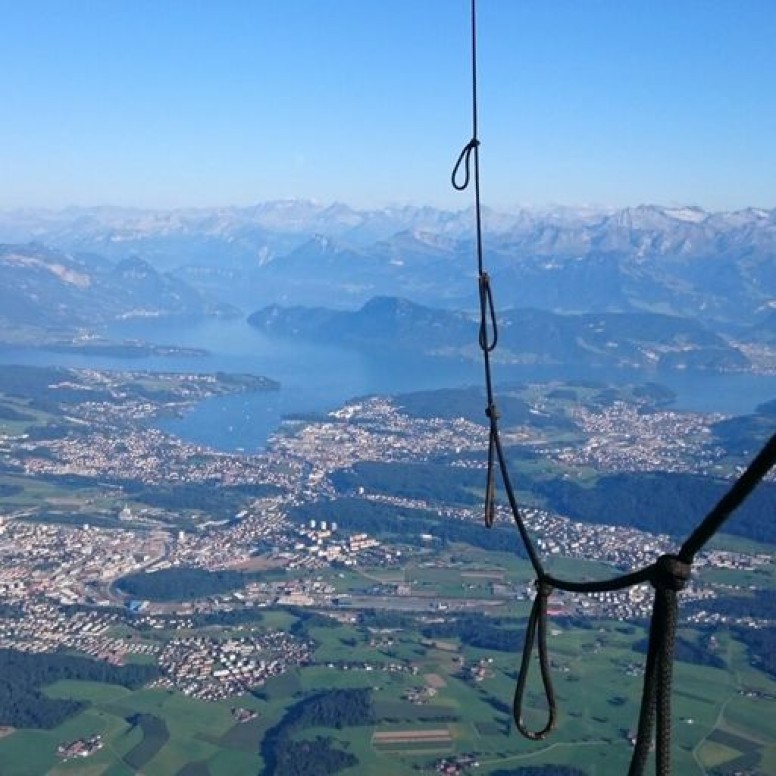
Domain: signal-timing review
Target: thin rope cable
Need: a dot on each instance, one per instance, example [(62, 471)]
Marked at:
[(469, 161), (466, 168)]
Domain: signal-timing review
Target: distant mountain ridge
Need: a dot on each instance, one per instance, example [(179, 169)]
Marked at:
[(546, 231), (617, 340)]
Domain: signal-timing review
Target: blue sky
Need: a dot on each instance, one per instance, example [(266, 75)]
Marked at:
[(170, 103)]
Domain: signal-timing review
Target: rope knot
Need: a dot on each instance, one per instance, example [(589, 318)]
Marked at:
[(492, 411), (670, 573), (543, 588)]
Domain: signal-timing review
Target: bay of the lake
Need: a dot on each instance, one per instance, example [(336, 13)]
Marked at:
[(317, 378)]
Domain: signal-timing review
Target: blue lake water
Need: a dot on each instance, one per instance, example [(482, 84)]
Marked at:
[(318, 377)]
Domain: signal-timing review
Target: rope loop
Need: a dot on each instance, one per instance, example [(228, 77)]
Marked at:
[(670, 573), (464, 159), (490, 499), (490, 485), (488, 321), (537, 627)]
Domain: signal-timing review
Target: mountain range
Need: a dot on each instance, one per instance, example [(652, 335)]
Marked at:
[(718, 267)]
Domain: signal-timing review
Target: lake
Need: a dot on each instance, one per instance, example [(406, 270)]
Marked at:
[(318, 377)]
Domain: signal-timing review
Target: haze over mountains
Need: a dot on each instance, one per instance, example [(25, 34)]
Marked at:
[(44, 287), (658, 282)]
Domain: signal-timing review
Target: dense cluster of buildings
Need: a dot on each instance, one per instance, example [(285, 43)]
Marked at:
[(373, 429), (212, 669), (623, 437), (36, 624), (69, 564), (149, 456)]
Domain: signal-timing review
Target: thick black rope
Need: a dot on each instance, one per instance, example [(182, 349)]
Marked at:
[(668, 575), (745, 484)]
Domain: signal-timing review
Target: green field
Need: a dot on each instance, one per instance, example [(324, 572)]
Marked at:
[(595, 671)]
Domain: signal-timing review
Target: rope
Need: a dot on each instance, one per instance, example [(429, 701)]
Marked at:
[(668, 575), (745, 484)]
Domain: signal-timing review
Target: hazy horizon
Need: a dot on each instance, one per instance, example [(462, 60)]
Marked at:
[(324, 204)]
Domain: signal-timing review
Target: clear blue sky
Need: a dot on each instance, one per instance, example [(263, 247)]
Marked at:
[(196, 102)]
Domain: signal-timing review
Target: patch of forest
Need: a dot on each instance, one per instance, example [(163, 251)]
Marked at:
[(287, 755), (23, 677), (688, 652), (760, 646), (8, 489), (429, 482), (386, 618), (475, 630), (469, 403), (407, 525), (9, 412), (31, 382), (760, 604), (80, 518), (224, 499), (480, 631), (49, 431), (740, 435), (306, 619), (185, 583), (660, 502), (11, 610)]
